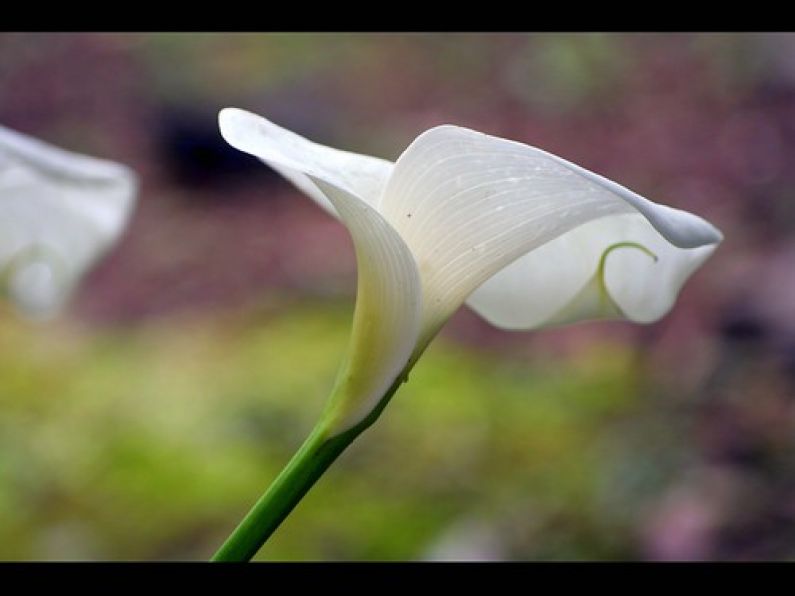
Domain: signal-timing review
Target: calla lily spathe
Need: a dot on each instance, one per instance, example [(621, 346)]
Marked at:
[(59, 212), (524, 237)]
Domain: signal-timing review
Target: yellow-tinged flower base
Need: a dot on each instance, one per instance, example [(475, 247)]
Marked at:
[(360, 384)]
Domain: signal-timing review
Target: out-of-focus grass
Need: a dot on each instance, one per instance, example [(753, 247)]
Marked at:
[(152, 442)]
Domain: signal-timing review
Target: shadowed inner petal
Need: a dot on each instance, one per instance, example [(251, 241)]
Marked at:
[(557, 283)]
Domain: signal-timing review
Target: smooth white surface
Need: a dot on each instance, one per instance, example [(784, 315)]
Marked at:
[(539, 288)]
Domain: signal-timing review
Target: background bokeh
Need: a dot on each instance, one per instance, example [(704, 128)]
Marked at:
[(143, 422)]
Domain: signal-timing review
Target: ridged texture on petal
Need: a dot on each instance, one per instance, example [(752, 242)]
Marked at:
[(468, 204), (560, 282), (388, 306), (59, 211), (295, 157)]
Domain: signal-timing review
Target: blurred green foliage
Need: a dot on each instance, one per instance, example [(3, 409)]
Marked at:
[(152, 442)]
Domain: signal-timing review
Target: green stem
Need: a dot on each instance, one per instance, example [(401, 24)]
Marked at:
[(313, 458)]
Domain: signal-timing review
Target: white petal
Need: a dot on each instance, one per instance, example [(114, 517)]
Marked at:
[(59, 211), (468, 204), (389, 296), (295, 157), (560, 281), (388, 307)]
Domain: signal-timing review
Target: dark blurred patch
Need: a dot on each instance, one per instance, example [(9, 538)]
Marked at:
[(195, 155), (307, 108), (788, 358), (750, 336), (741, 324)]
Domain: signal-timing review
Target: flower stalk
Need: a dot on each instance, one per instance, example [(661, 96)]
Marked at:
[(313, 458)]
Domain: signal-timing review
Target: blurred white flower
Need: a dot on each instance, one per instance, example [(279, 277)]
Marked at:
[(526, 238), (59, 212)]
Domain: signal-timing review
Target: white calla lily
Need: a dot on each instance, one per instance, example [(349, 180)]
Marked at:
[(59, 212), (526, 238)]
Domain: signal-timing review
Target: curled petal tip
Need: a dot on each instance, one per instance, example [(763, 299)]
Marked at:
[(298, 158), (229, 112), (717, 235), (684, 229), (233, 123), (227, 116)]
